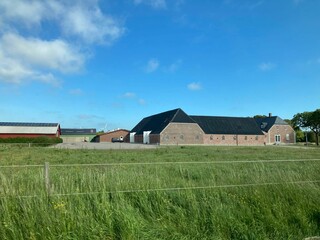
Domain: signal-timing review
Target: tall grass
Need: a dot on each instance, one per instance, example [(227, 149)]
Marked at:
[(280, 211)]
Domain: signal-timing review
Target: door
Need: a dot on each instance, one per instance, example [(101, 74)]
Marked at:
[(277, 139), (132, 137), (146, 137)]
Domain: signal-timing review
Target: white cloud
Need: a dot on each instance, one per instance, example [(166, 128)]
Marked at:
[(266, 66), (76, 92), (27, 12), (152, 65), (157, 4), (174, 66), (81, 22), (24, 59), (142, 101), (133, 97), (13, 71), (81, 19), (194, 86), (57, 54), (91, 25), (129, 95)]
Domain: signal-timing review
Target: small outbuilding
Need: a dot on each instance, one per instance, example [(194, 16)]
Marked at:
[(27, 129), (72, 135), (118, 135)]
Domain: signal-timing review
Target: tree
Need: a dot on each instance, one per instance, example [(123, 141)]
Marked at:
[(310, 120), (259, 116)]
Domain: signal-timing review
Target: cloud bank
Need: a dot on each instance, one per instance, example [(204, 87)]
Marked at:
[(28, 54)]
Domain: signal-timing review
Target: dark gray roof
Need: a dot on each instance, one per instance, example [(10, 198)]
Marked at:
[(228, 125), (27, 124), (78, 131), (156, 123), (266, 123)]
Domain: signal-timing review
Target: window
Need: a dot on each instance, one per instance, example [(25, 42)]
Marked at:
[(288, 137), (234, 137), (223, 138), (246, 138), (211, 137), (257, 138), (181, 137)]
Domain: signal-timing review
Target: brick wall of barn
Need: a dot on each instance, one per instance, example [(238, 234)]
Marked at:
[(182, 133), (286, 132), (138, 138), (233, 140), (154, 138), (106, 137)]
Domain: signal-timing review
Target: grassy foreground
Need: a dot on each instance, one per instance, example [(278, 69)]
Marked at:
[(216, 199)]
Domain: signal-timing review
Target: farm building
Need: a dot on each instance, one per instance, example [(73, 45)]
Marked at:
[(176, 127), (71, 135), (111, 136), (21, 129), (276, 130), (230, 130)]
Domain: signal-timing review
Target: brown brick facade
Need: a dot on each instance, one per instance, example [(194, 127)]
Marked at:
[(182, 133), (233, 140), (176, 133), (107, 137), (285, 132)]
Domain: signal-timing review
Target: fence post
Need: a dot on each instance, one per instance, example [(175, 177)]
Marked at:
[(46, 177)]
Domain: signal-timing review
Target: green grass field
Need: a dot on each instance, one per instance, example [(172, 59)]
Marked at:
[(183, 192)]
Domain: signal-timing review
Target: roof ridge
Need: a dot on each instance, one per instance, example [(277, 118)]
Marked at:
[(218, 116), (176, 113)]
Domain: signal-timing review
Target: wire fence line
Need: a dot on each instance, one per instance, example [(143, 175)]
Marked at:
[(169, 189), (162, 163), (48, 191)]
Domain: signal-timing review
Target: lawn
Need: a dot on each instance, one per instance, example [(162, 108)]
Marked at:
[(182, 192)]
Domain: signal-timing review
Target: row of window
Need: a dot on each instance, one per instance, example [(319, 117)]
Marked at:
[(234, 138), (223, 138), (167, 137), (197, 137)]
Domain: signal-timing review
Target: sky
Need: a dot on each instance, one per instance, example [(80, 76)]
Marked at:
[(107, 64)]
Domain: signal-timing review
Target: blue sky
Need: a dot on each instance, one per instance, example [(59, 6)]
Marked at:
[(107, 64)]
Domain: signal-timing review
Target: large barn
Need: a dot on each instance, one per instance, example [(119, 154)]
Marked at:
[(23, 129), (176, 127)]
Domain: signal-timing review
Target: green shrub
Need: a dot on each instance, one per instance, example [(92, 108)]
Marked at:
[(39, 141)]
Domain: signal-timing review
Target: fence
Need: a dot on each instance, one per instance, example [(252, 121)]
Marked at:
[(48, 184)]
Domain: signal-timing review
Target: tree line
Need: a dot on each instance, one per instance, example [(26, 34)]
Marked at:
[(309, 121)]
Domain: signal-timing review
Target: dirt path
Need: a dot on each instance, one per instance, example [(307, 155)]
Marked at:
[(86, 145)]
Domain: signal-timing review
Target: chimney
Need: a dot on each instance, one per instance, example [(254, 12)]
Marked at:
[(270, 114)]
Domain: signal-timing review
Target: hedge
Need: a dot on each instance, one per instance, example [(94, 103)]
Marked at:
[(35, 140)]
